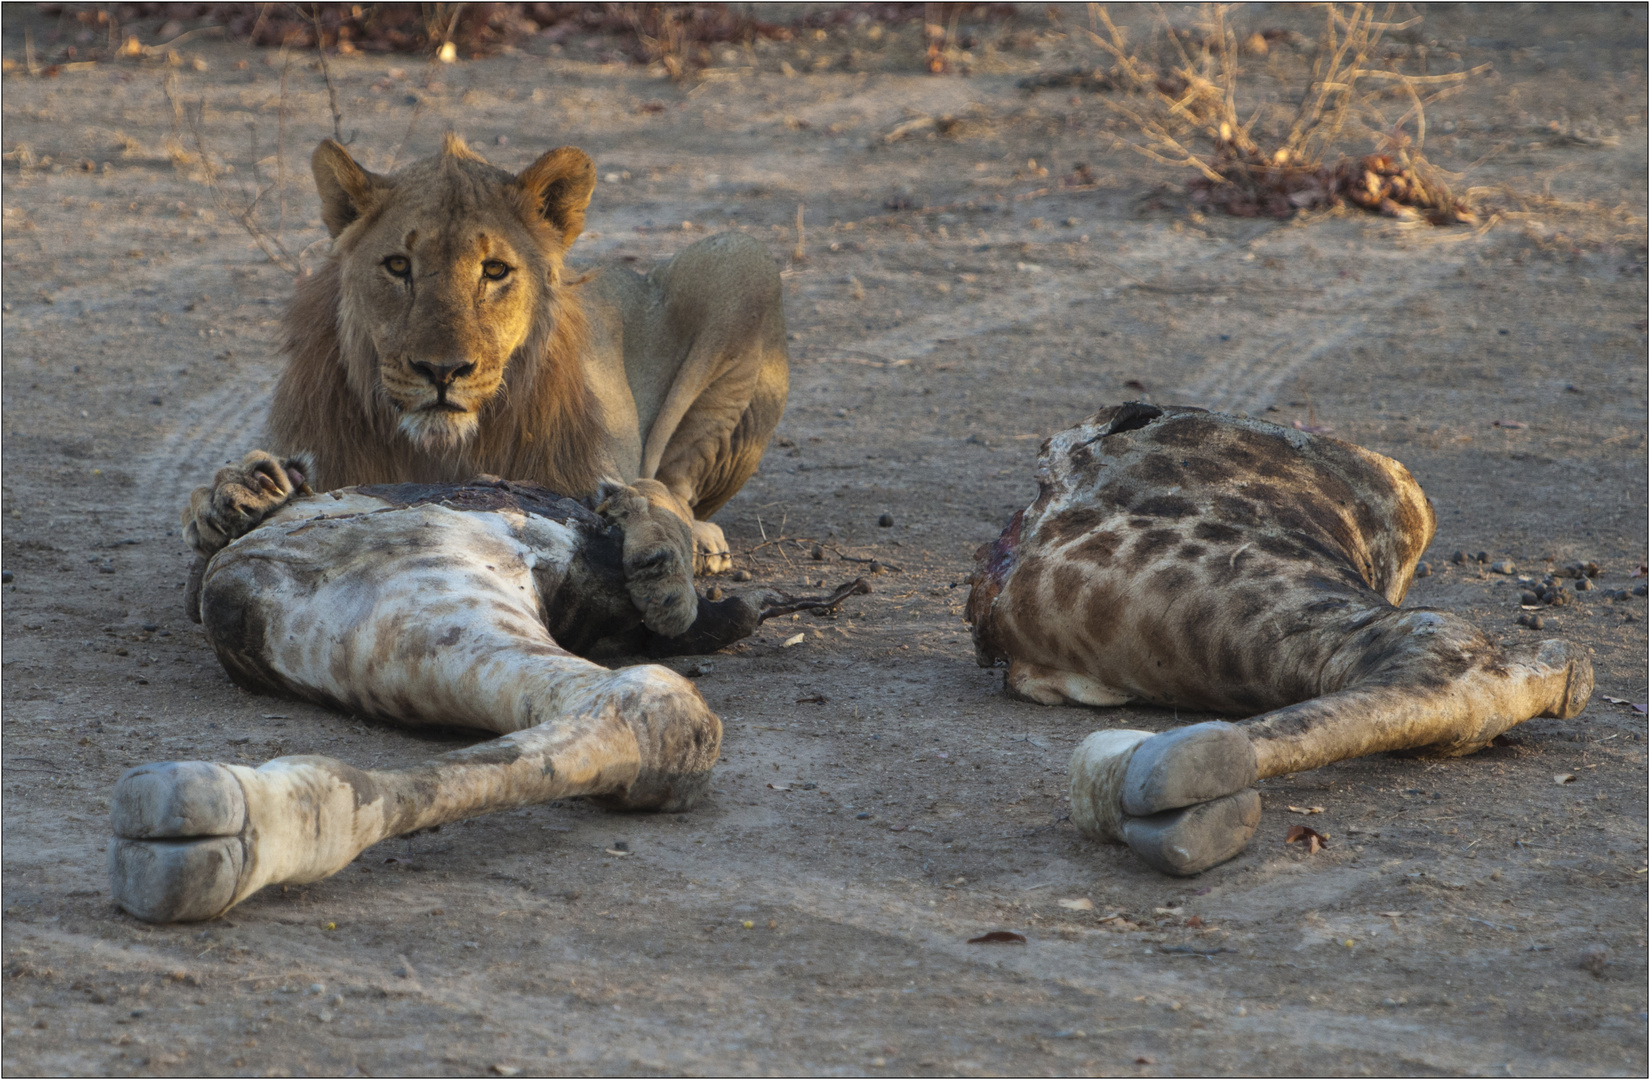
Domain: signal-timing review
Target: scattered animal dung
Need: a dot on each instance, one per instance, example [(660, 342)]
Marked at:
[(886, 521), (818, 553), (1423, 570), (1458, 558), (741, 575)]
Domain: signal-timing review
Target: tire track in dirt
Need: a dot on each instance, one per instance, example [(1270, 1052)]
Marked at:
[(210, 429), (1248, 377)]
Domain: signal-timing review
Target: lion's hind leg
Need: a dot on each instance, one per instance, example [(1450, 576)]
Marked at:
[(728, 392)]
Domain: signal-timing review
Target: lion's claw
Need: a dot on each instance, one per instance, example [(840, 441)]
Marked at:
[(240, 497)]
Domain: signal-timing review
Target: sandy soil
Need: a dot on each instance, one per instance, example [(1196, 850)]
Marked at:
[(952, 308)]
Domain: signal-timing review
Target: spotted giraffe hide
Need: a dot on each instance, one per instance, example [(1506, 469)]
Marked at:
[(1183, 558)]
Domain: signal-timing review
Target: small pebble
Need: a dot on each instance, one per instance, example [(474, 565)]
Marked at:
[(1641, 590), (741, 575), (1584, 585), (1505, 567), (818, 553), (863, 817), (1458, 558), (1423, 570), (886, 521), (5, 577), (1594, 957)]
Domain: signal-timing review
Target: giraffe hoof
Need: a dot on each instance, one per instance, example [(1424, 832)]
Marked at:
[(1192, 839), (1187, 766), (1578, 676), (176, 855)]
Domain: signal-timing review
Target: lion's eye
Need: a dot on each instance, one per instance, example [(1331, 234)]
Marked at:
[(494, 270), (398, 265)]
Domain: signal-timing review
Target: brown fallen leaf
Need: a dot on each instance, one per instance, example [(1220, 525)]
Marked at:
[(1310, 837), (999, 937), (1306, 809)]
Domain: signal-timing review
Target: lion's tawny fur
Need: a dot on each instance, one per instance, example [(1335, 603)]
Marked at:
[(543, 425)]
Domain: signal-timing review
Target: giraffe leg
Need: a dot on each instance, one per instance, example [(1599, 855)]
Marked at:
[(193, 839), (425, 615), (1407, 710), (1182, 800)]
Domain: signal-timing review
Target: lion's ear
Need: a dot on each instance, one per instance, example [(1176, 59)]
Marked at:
[(346, 188), (559, 185)]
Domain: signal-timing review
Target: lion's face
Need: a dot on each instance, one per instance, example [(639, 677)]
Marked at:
[(448, 270)]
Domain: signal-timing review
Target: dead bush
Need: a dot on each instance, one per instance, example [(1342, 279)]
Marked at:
[(1190, 100)]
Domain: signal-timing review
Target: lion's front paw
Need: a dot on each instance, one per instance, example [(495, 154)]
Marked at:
[(658, 560), (240, 497), (710, 549)]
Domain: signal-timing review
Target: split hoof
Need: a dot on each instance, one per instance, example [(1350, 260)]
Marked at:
[(1182, 800), (1192, 839), (177, 853), (1186, 766)]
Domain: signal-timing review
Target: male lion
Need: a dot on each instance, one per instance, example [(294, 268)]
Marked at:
[(443, 339)]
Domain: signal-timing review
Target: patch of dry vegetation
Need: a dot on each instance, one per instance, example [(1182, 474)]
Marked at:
[(1190, 99)]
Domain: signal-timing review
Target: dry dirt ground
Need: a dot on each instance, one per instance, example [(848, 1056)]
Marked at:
[(880, 801)]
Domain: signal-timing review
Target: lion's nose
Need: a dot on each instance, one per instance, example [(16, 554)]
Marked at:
[(442, 374)]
